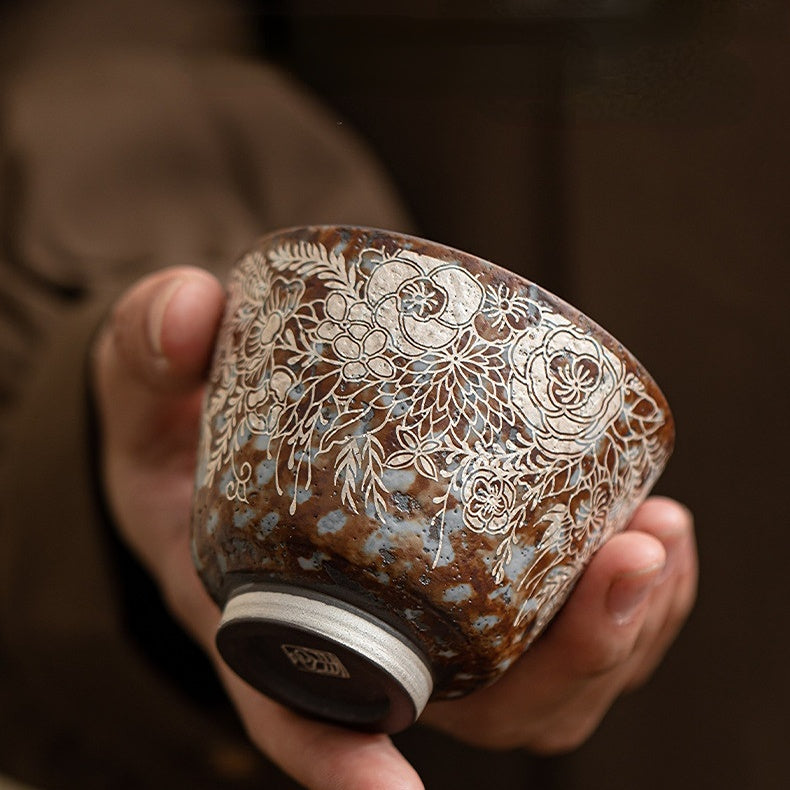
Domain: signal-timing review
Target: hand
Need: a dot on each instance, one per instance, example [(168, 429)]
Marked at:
[(623, 615), (148, 368)]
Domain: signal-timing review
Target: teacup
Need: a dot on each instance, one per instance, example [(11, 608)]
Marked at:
[(408, 455)]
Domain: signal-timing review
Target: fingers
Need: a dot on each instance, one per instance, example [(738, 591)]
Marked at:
[(147, 368), (320, 756), (148, 372), (625, 611), (577, 665), (674, 596), (614, 629), (163, 327), (601, 622)]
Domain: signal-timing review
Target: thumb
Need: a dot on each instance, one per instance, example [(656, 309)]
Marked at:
[(148, 370), (150, 361)]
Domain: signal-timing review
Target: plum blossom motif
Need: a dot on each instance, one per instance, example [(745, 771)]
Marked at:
[(507, 310), (360, 350), (489, 499), (358, 345), (421, 302), (568, 386)]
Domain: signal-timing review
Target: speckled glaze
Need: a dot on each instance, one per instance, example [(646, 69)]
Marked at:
[(420, 433)]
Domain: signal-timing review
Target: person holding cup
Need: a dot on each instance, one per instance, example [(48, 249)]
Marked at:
[(122, 224)]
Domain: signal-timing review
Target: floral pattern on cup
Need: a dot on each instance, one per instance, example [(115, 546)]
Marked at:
[(420, 307), (395, 360), (489, 500), (569, 387)]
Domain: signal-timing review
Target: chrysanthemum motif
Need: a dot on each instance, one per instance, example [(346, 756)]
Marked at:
[(462, 383), (422, 303)]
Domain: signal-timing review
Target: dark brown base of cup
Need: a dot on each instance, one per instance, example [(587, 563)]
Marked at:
[(324, 657)]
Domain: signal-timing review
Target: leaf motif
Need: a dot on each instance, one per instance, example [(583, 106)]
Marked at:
[(347, 495), (339, 429), (407, 438), (555, 519), (469, 407), (257, 423), (552, 592), (644, 415), (565, 478), (426, 466), (377, 499), (307, 259), (400, 459)]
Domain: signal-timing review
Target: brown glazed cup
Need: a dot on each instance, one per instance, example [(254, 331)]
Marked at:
[(408, 455)]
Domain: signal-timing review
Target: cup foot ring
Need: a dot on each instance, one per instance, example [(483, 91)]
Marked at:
[(325, 658)]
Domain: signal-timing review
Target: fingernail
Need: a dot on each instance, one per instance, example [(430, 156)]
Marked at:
[(156, 313), (628, 592)]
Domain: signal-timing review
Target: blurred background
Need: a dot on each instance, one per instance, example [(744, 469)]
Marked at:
[(634, 158)]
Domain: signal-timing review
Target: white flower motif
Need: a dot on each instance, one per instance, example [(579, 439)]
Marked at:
[(360, 349), (259, 333), (420, 307), (590, 509), (489, 499), (340, 310), (358, 345), (402, 361), (568, 386), (417, 453), (464, 385), (507, 310)]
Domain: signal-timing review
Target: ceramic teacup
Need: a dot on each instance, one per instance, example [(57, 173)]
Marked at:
[(408, 456)]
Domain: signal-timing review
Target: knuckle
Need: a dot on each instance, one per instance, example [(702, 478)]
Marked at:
[(604, 657)]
